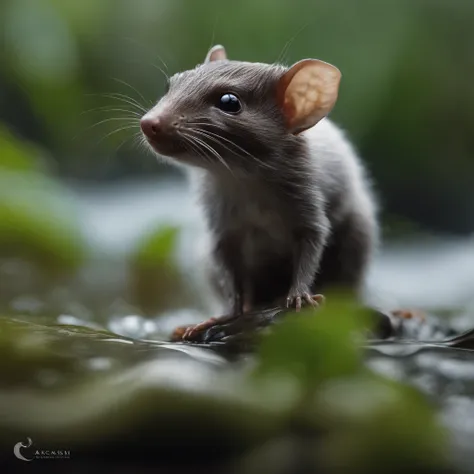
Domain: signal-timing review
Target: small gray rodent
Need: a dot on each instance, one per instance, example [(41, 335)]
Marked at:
[(287, 202)]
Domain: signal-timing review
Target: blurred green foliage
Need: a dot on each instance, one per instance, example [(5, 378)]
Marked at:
[(344, 418), (158, 247), (380, 425), (155, 279), (16, 155), (405, 99), (37, 219), (316, 348)]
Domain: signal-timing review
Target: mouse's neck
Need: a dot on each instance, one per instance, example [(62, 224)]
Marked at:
[(240, 184)]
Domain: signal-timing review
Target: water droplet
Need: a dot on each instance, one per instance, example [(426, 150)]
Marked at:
[(100, 363), (128, 326)]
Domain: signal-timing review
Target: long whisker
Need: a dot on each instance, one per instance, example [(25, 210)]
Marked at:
[(127, 127), (117, 96), (137, 138), (193, 148), (131, 100), (163, 62), (211, 150), (127, 100), (141, 141), (120, 81), (281, 56), (219, 137), (214, 30), (197, 146), (131, 121), (161, 70), (216, 138), (111, 96), (121, 144), (111, 109), (134, 40)]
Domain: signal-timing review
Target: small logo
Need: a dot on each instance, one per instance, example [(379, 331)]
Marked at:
[(17, 449), (39, 453)]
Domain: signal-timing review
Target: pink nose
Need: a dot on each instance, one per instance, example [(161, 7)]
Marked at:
[(151, 126)]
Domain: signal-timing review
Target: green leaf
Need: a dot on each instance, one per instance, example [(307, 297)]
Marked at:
[(16, 155), (315, 346), (37, 220), (157, 247)]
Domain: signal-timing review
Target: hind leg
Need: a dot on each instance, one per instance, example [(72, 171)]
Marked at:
[(348, 254)]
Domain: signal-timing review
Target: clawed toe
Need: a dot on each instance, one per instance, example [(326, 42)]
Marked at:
[(191, 331), (319, 299), (312, 300)]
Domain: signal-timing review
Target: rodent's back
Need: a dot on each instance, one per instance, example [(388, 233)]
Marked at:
[(341, 176)]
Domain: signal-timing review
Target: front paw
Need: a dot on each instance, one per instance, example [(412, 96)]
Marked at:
[(297, 298)]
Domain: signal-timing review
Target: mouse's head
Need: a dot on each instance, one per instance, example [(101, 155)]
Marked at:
[(232, 115)]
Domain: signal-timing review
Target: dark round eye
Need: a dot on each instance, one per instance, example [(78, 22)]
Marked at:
[(230, 104)]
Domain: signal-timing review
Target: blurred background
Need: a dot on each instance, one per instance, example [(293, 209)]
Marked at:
[(75, 77)]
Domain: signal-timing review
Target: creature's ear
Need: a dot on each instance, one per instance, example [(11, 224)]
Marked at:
[(216, 53), (307, 92)]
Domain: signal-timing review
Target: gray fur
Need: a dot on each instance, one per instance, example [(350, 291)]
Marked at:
[(287, 214)]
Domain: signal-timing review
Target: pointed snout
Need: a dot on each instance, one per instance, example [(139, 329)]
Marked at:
[(160, 130), (151, 125)]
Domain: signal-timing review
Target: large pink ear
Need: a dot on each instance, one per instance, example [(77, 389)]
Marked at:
[(216, 53), (307, 92)]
